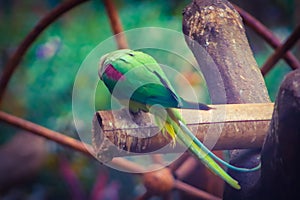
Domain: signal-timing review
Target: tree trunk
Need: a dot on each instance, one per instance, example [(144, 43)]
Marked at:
[(280, 172), (216, 35)]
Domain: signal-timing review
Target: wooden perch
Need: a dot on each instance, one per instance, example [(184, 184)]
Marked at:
[(235, 126)]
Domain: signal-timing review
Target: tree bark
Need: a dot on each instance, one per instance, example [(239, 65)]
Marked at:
[(216, 35), (280, 172)]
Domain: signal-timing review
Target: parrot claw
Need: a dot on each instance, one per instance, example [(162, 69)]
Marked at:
[(134, 112), (168, 136)]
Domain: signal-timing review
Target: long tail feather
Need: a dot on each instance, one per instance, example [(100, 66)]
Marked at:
[(174, 120), (211, 154), (205, 158)]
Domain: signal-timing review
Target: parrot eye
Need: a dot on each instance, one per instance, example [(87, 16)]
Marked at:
[(131, 54)]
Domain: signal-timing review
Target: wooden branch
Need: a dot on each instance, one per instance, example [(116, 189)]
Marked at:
[(116, 133), (218, 29), (280, 172), (215, 27)]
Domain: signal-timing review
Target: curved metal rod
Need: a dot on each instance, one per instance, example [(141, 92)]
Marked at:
[(115, 24), (30, 38), (280, 51), (268, 36)]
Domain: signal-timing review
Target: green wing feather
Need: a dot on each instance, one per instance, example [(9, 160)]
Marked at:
[(133, 64)]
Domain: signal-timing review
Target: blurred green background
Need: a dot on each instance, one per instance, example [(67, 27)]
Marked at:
[(41, 88)]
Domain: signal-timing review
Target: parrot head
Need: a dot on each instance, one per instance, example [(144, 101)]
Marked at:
[(106, 64)]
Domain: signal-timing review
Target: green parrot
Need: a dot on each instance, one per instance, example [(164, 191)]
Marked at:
[(127, 70)]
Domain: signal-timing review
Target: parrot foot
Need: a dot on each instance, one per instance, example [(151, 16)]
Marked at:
[(167, 136)]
